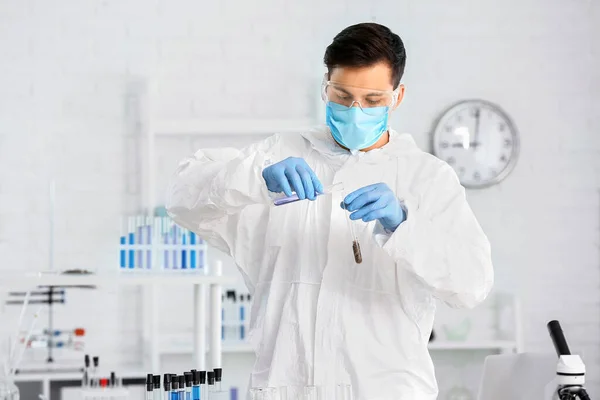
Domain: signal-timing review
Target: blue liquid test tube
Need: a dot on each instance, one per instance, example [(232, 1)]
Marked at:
[(174, 388), (181, 392), (139, 230), (222, 321), (196, 385), (183, 252), (242, 317), (167, 386), (122, 253), (192, 252), (149, 242), (165, 234), (173, 233), (189, 377), (131, 237)]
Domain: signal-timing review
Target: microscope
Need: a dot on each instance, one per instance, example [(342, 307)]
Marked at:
[(570, 369)]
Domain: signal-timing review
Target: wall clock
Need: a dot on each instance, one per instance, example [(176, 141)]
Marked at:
[(478, 140)]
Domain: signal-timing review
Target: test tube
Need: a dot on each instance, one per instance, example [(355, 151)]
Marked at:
[(167, 386), (181, 392), (210, 377), (183, 249), (85, 380), (95, 363), (218, 376), (242, 318), (336, 187), (156, 391), (203, 386), (196, 392), (174, 233), (174, 388), (148, 228), (149, 387), (131, 237), (165, 234), (355, 245), (188, 385), (139, 231), (192, 251), (123, 245)]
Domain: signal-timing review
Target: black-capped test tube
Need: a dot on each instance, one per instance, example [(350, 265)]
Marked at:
[(167, 386), (149, 387), (218, 375), (174, 388), (181, 392)]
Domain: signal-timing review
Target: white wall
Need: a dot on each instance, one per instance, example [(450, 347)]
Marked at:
[(65, 73)]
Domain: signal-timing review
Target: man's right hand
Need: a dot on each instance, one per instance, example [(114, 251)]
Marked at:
[(292, 174)]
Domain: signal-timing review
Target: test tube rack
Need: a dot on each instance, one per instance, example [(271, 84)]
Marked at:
[(158, 244), (50, 338)]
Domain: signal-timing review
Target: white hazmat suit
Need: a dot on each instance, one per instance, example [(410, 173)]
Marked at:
[(318, 317)]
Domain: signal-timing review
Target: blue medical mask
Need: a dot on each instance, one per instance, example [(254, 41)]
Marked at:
[(353, 128)]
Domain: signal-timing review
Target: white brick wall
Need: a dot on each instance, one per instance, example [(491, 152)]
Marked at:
[(63, 78)]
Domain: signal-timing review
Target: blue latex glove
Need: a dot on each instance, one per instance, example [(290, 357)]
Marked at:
[(292, 174), (375, 202)]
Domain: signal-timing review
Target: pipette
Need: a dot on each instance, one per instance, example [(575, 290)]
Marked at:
[(336, 187), (355, 244)]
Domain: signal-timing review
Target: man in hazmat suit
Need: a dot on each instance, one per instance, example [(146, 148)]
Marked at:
[(320, 317)]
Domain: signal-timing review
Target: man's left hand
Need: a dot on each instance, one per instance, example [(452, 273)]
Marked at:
[(373, 202)]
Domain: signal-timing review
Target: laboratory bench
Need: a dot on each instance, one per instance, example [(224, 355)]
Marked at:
[(50, 384)]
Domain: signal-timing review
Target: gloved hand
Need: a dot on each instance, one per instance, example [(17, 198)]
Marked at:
[(292, 174), (375, 202)]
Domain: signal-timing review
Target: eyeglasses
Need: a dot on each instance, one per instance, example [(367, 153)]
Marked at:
[(343, 97)]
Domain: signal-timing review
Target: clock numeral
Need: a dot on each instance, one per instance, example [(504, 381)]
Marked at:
[(459, 118), (507, 143), (475, 112), (477, 176), (444, 145), (448, 128), (503, 158), (461, 171), (450, 160), (493, 172), (502, 127)]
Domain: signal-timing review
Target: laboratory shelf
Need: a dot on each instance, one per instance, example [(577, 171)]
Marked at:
[(32, 279), (125, 371), (498, 345)]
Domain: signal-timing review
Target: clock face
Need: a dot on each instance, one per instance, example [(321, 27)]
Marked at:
[(478, 140)]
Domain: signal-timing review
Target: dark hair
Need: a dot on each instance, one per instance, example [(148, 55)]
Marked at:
[(364, 45)]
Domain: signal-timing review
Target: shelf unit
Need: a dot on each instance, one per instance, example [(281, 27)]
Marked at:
[(496, 346), (53, 278), (207, 290)]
